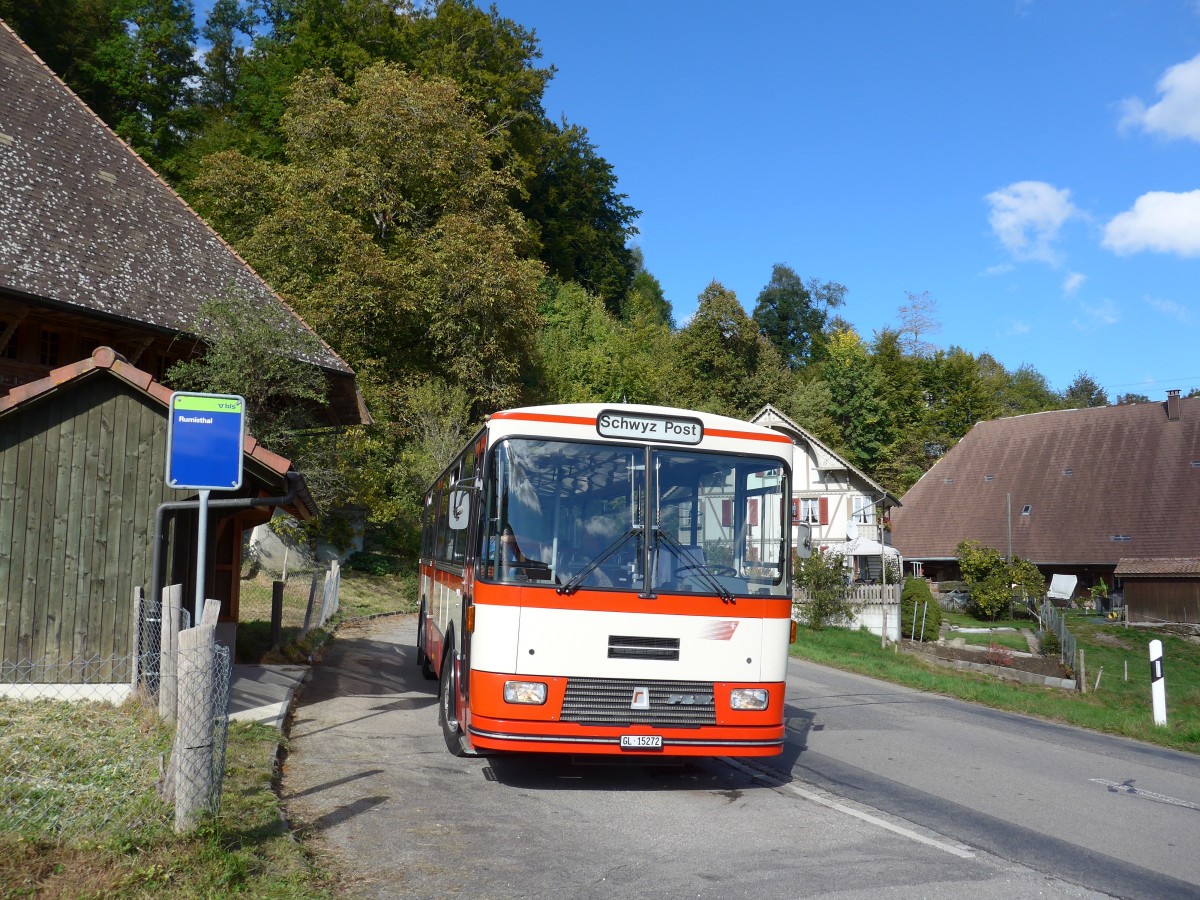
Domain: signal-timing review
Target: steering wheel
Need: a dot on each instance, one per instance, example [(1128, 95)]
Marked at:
[(723, 571)]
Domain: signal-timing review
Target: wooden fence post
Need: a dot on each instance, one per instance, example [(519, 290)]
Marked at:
[(193, 754), (172, 605), (212, 612)]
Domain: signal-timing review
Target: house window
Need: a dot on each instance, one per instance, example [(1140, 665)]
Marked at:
[(810, 510), (864, 511), (48, 351), (1026, 509)]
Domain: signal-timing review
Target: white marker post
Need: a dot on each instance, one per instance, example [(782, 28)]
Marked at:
[(1158, 686)]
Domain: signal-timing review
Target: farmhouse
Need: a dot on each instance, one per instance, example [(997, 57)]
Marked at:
[(835, 507), (1074, 491)]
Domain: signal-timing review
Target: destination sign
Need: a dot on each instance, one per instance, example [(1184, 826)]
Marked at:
[(646, 427), (204, 441)]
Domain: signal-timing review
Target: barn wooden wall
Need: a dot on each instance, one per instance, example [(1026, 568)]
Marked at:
[(81, 474), (1162, 599)]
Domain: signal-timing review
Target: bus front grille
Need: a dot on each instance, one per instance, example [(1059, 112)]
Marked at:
[(609, 701), (626, 647)]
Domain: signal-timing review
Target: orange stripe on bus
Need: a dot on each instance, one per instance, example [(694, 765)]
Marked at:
[(544, 417), (579, 420), (629, 602)]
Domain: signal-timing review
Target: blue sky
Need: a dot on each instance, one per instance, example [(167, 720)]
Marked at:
[(1034, 166)]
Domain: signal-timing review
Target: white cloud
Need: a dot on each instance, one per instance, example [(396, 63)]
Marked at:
[(1018, 327), (1098, 315), (1001, 269), (1073, 282), (1027, 216), (1169, 308), (1177, 113), (1160, 221)]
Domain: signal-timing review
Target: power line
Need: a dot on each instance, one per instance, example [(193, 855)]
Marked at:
[(1178, 382)]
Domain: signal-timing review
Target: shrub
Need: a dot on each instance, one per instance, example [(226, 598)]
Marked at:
[(991, 579), (916, 594), (998, 655), (824, 578), (1049, 643), (371, 563)]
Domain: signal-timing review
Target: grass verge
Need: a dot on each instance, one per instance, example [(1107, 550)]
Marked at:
[(1118, 707), (361, 594), (247, 849)]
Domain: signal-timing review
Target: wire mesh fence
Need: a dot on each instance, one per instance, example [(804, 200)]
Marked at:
[(309, 597), (86, 755), (1056, 623)]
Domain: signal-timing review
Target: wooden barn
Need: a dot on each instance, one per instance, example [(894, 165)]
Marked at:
[(98, 252), (82, 474), (1160, 590)]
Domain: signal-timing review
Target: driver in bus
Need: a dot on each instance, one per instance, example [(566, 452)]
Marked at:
[(510, 550)]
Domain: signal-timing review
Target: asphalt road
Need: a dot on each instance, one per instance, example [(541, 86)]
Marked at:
[(882, 791)]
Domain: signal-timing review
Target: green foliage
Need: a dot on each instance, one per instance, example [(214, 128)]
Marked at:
[(1084, 392), (1026, 576), (916, 599), (146, 68), (721, 362), (1049, 643), (990, 579), (858, 399), (987, 579), (792, 317), (584, 221), (374, 563), (262, 357), (824, 577)]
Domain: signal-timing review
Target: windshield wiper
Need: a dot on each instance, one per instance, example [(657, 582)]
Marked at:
[(692, 563), (577, 579)]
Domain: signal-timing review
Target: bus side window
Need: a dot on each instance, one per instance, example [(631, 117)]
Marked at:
[(458, 537), (441, 549), (426, 530)]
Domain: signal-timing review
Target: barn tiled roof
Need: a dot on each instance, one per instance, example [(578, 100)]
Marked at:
[(105, 359), (1088, 487), (86, 224), (1164, 568)]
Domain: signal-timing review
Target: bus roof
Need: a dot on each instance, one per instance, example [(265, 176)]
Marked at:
[(658, 425)]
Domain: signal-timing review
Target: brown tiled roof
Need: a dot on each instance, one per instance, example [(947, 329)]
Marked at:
[(1167, 568), (1100, 485), (105, 359), (86, 224)]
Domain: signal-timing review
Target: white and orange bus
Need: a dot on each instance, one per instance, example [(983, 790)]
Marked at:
[(610, 579)]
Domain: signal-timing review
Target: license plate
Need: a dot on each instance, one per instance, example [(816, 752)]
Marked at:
[(641, 742)]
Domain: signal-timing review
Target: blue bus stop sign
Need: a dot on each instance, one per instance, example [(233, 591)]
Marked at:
[(204, 441)]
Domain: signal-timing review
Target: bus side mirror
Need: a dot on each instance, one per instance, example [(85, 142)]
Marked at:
[(804, 541)]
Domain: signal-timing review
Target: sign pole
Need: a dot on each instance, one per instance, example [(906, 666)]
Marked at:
[(201, 555)]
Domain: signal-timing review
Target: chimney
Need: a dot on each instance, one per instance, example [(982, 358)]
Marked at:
[(1172, 406)]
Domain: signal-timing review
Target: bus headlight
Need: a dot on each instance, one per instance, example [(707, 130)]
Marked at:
[(749, 698), (532, 693)]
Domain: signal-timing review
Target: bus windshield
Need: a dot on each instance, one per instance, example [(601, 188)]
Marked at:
[(574, 515)]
